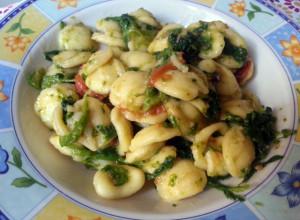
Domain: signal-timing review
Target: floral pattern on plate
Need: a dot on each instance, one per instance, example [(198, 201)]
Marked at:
[(289, 186)]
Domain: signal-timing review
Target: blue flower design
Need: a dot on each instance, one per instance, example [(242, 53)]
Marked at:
[(222, 217), (3, 161), (290, 185)]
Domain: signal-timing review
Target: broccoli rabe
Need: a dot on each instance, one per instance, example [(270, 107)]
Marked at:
[(35, 79), (238, 53), (78, 129), (49, 80), (137, 35), (118, 174), (183, 147), (189, 42), (214, 108), (108, 132), (167, 164), (153, 97)]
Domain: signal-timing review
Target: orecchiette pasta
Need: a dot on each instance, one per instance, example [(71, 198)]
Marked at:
[(75, 37), (71, 58), (183, 180), (184, 86), (157, 101), (106, 188), (238, 151), (123, 129)]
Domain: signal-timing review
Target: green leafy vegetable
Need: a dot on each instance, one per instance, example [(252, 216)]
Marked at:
[(253, 168), (172, 119), (214, 108), (78, 129), (163, 56), (153, 97), (260, 127), (167, 164), (62, 25), (183, 147), (233, 119), (238, 53), (190, 42), (35, 79), (50, 80), (118, 174), (50, 54), (108, 132), (139, 34), (133, 69), (172, 180), (66, 101), (229, 191)]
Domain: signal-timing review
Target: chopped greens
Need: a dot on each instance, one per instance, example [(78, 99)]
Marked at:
[(229, 191), (163, 56), (50, 80), (50, 54), (35, 79), (153, 97), (260, 127), (118, 174), (167, 164), (139, 34), (64, 104), (238, 53), (214, 108), (190, 43), (78, 129), (183, 147), (108, 132), (248, 173), (172, 180)]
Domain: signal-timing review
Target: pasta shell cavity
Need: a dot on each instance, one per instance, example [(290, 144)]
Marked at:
[(106, 188), (227, 85), (96, 60), (216, 47), (128, 90), (101, 80), (75, 37), (238, 151), (138, 59), (186, 116), (184, 86), (50, 98), (199, 146), (183, 180)]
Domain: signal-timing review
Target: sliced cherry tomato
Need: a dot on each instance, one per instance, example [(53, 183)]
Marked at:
[(160, 73), (81, 88), (80, 85), (156, 110), (245, 73)]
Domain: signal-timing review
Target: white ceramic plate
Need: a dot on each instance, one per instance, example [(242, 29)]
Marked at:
[(271, 84)]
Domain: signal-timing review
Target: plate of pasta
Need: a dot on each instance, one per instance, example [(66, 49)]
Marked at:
[(145, 112)]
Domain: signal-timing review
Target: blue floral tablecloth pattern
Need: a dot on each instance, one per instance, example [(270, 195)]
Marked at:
[(26, 195)]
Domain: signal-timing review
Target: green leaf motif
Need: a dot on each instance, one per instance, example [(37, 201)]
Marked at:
[(251, 15), (22, 182), (27, 31), (17, 157), (255, 7), (13, 27)]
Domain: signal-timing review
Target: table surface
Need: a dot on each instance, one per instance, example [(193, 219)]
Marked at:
[(279, 26)]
